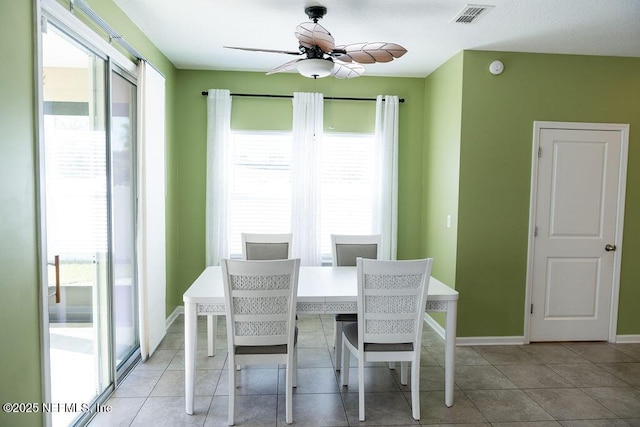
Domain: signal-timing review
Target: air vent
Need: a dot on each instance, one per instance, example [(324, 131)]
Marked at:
[(471, 13)]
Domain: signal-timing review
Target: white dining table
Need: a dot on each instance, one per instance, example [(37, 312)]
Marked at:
[(321, 290)]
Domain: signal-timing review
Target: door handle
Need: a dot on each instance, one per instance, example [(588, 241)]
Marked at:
[(56, 264), (610, 248)]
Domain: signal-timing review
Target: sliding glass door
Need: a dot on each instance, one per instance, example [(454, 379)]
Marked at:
[(89, 210), (123, 126)]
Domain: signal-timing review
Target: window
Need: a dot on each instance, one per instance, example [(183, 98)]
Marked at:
[(260, 186), (347, 187)]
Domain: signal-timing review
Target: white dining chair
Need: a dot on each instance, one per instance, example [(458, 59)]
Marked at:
[(260, 298), (257, 246), (392, 298), (345, 249), (265, 246)]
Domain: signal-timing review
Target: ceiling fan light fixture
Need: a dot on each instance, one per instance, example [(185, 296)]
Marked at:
[(315, 68), (320, 57)]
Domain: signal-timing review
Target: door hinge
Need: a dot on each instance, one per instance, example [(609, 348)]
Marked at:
[(531, 308), (539, 152), (535, 231)]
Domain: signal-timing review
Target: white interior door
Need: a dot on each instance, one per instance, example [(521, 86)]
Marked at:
[(577, 232)]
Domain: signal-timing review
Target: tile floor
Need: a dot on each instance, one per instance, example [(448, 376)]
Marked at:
[(565, 384)]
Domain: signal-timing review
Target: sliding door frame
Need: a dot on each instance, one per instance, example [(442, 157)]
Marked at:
[(118, 371), (52, 11)]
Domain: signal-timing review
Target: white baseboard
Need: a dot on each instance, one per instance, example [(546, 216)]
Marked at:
[(515, 340), (177, 312), (627, 339)]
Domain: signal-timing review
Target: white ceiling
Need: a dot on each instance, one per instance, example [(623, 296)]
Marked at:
[(192, 33)]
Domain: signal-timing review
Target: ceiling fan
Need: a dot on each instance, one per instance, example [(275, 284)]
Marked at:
[(320, 57)]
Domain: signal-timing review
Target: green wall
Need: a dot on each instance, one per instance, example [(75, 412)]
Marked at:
[(495, 172), (20, 351), (20, 374), (276, 114), (441, 167)]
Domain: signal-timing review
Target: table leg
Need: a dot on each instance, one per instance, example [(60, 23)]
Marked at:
[(212, 327), (450, 351), (190, 342)]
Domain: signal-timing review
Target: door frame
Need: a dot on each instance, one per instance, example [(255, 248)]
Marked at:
[(622, 185)]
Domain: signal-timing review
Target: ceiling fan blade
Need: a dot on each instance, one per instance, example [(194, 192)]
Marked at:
[(311, 34), (252, 49), (346, 70), (369, 53), (291, 65)]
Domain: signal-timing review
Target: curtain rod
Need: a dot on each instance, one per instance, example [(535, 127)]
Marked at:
[(205, 93)]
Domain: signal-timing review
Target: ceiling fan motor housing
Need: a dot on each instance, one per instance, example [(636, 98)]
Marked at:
[(312, 52), (315, 12)]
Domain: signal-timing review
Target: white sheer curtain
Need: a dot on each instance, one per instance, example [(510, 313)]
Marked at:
[(387, 144), (151, 209), (218, 129), (305, 203)]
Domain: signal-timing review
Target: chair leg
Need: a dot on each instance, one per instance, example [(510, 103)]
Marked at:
[(346, 355), (415, 390), (338, 343), (232, 395), (295, 367), (289, 392), (361, 389), (403, 372)]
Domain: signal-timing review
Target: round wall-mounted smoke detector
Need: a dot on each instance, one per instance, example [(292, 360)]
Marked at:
[(496, 67)]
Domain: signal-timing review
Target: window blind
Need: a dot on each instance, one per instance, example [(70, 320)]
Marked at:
[(260, 180)]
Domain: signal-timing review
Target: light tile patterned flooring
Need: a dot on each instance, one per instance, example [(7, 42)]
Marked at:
[(568, 384)]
